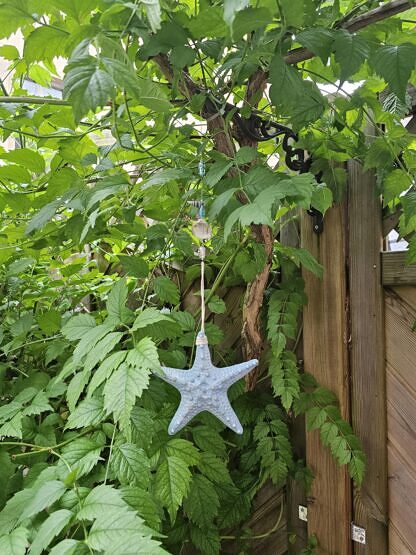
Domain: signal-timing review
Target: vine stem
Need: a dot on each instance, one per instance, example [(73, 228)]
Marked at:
[(259, 536)]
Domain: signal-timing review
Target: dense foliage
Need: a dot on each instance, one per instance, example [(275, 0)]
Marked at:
[(98, 264)]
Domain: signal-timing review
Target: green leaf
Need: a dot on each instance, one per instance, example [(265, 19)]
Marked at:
[(11, 18), (14, 543), (166, 290), (202, 503), (183, 449), (105, 369), (117, 299), (82, 455), (322, 198), (221, 202), (66, 547), (44, 497), (99, 500), (131, 465), (12, 428), (356, 468), (50, 528), (153, 13), (49, 321), (45, 214), (231, 7), (149, 316), (172, 483), (144, 503), (318, 40), (77, 326), (395, 64), (209, 440), (25, 157), (350, 52), (217, 171), (395, 183), (206, 541), (316, 416), (214, 468), (19, 266), (86, 86), (286, 81), (89, 412), (116, 529), (216, 305), (44, 44), (134, 266), (90, 339), (121, 390), (249, 20)]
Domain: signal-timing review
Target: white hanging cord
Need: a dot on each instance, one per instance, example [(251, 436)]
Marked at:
[(202, 230), (202, 257)]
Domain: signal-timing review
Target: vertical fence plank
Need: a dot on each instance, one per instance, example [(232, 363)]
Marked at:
[(367, 364), (325, 332), (295, 494)]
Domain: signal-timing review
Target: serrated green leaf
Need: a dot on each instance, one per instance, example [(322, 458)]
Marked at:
[(172, 483), (318, 40), (104, 371), (316, 416), (166, 290), (131, 465), (149, 316), (144, 503), (86, 85), (89, 412), (206, 541), (120, 391), (77, 326), (44, 497), (201, 503), (214, 468), (183, 449), (82, 455), (395, 183), (134, 265), (50, 528), (216, 305), (350, 52), (117, 299), (395, 64), (25, 157)]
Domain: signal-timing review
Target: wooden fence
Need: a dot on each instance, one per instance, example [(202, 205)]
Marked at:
[(358, 341)]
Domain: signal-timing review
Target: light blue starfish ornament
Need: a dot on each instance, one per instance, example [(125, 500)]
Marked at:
[(204, 387)]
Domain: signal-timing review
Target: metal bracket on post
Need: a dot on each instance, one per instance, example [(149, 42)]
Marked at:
[(318, 220), (357, 533)]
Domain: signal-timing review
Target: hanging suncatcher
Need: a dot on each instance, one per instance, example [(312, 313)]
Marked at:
[(204, 387)]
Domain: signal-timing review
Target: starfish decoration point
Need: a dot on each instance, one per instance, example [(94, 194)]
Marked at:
[(204, 388)]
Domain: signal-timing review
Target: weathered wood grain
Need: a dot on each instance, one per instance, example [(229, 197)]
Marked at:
[(325, 326), (367, 366), (400, 304), (395, 271)]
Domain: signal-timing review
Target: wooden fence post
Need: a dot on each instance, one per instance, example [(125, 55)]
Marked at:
[(367, 356), (325, 332)]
